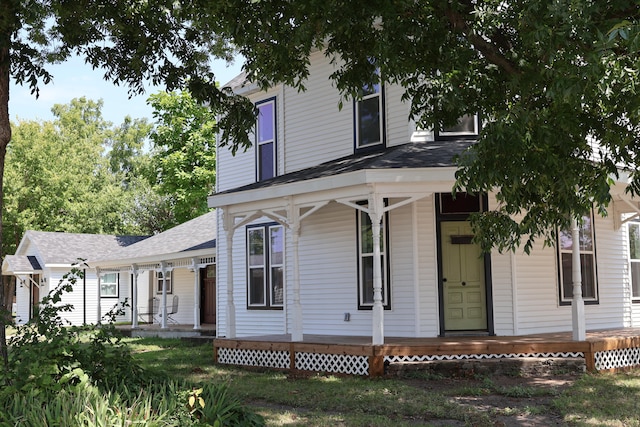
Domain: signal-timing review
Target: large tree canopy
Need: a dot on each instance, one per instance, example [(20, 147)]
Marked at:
[(183, 156), (547, 78)]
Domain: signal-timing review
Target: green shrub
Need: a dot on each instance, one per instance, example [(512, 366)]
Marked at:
[(48, 355), (62, 375)]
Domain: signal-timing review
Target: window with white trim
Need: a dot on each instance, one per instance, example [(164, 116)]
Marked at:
[(634, 259), (468, 126), (266, 140), (160, 281), (365, 261), (369, 117), (265, 266), (109, 285), (587, 262)]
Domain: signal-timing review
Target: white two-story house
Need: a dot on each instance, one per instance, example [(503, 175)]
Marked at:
[(340, 221)]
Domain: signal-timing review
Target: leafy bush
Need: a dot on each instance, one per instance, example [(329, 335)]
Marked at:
[(47, 354), (61, 375)]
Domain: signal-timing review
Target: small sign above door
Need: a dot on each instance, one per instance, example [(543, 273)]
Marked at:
[(462, 240)]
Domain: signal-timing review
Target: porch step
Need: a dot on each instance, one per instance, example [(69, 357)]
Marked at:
[(186, 335), (525, 366)]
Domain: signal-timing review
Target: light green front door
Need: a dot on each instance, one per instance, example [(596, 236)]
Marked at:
[(463, 287)]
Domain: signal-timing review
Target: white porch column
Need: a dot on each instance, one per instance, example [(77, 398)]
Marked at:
[(196, 294), (134, 296), (98, 308), (376, 207), (163, 303), (231, 308), (577, 304), (297, 329)]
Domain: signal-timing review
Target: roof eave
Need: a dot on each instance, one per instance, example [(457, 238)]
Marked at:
[(152, 258), (360, 177)]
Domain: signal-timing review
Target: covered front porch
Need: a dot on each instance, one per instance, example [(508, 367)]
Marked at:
[(602, 350)]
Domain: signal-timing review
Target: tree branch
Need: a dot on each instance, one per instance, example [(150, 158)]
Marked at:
[(490, 51)]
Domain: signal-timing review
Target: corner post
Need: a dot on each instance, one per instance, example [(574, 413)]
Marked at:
[(376, 207), (297, 333), (134, 296), (577, 303), (163, 303), (229, 229), (98, 307), (196, 294)]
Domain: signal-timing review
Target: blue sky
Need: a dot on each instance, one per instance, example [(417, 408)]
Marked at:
[(74, 79)]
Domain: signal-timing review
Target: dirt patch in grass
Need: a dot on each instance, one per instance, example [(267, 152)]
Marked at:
[(506, 400)]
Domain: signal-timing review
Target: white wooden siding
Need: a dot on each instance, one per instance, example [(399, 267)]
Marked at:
[(538, 307), (23, 296), (316, 130), (428, 268), (502, 289), (235, 171), (248, 322), (397, 116)]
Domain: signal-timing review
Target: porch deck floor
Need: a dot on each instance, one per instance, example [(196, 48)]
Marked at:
[(555, 337), (602, 349)]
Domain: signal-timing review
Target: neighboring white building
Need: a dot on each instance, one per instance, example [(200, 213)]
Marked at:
[(186, 256), (43, 258), (127, 268), (300, 212)]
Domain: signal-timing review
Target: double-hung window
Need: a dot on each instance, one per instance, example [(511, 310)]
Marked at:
[(266, 140), (265, 255), (587, 262), (467, 127), (109, 285), (160, 280), (365, 261), (369, 117), (634, 259)]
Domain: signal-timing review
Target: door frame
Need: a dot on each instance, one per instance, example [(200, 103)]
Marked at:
[(203, 279), (462, 217)]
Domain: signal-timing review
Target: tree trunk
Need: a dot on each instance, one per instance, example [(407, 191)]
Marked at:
[(5, 137)]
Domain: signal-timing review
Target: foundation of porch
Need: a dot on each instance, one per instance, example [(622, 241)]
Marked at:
[(514, 367), (601, 351), (206, 332)]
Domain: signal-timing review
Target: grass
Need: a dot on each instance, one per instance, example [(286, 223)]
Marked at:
[(603, 400), (321, 400)]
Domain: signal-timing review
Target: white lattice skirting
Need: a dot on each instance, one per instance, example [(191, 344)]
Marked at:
[(261, 358), (431, 358), (334, 363), (618, 358), (315, 362)]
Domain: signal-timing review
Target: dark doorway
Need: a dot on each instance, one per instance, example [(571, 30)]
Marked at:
[(208, 294)]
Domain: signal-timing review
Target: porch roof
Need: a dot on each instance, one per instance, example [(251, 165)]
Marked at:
[(20, 264), (196, 237), (433, 156)]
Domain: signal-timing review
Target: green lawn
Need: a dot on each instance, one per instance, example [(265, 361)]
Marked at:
[(320, 400)]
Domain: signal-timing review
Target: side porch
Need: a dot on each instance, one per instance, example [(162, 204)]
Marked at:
[(602, 350)]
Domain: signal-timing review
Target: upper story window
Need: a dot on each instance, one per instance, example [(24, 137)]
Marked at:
[(468, 126), (587, 262), (365, 261), (160, 280), (634, 259), (265, 257), (266, 138), (109, 285), (369, 117)]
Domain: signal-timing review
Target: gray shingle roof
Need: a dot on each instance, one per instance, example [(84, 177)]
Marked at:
[(22, 263), (432, 154), (199, 233), (66, 248)]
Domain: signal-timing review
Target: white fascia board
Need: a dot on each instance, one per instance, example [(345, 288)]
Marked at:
[(430, 179), (152, 259)]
